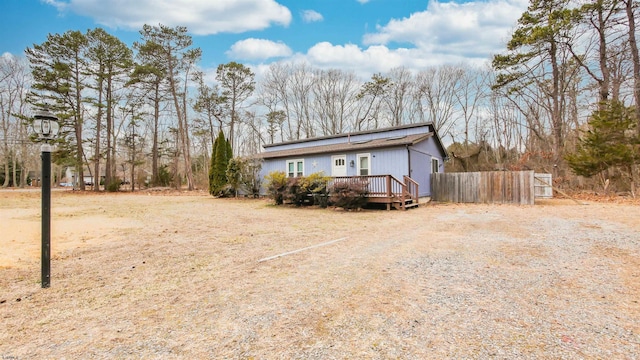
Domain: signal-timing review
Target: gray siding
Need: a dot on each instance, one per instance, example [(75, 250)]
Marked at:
[(421, 155), (421, 171), (390, 161), (383, 161), (322, 163)]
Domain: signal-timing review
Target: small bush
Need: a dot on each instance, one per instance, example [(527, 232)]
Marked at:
[(304, 190), (295, 193), (114, 186), (315, 186), (226, 191), (234, 175), (165, 177), (250, 180), (322, 200), (307, 190), (276, 186), (315, 183), (349, 194)]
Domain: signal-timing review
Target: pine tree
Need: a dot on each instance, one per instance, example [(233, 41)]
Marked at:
[(172, 48), (234, 174), (237, 83), (219, 162), (111, 59), (610, 142), (535, 56), (59, 68)]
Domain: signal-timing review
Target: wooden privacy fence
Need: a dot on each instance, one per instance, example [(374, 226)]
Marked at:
[(506, 187)]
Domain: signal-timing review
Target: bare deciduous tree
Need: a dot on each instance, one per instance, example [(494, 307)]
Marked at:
[(333, 100), (400, 90), (14, 84), (436, 89)]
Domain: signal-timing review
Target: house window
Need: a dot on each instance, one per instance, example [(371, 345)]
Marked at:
[(295, 168), (364, 164), (435, 165)]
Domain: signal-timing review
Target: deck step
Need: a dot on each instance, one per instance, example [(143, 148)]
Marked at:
[(411, 205)]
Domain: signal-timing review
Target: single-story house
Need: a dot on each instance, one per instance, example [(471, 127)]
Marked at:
[(412, 151)]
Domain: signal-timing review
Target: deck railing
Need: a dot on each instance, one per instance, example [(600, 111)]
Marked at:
[(385, 187), (412, 188)]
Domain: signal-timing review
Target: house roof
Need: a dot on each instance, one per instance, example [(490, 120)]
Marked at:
[(346, 135), (347, 146)]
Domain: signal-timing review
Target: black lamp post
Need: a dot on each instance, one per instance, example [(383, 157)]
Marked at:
[(45, 125)]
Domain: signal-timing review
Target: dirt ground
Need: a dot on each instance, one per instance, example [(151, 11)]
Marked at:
[(183, 275)]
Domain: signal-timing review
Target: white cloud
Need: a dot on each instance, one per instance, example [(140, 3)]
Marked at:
[(311, 16), (201, 17), (471, 29), (258, 49), (325, 54), (60, 5), (363, 1), (373, 59), (445, 33)]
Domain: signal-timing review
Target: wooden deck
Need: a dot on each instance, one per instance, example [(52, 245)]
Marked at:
[(386, 189)]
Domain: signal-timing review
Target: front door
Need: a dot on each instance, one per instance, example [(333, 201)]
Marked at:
[(339, 165)]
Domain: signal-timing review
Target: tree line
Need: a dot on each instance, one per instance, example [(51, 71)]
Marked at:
[(149, 113)]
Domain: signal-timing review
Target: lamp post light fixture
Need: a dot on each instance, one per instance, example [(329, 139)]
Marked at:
[(45, 125)]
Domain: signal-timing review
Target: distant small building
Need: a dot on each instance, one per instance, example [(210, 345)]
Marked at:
[(413, 150)]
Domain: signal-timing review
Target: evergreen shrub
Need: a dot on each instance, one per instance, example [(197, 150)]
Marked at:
[(304, 190), (349, 195), (114, 186), (315, 187), (276, 186)]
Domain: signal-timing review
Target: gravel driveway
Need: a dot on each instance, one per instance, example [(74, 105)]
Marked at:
[(139, 276)]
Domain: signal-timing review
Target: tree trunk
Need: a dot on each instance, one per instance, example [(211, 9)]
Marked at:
[(636, 59), (97, 155), (183, 136), (232, 122), (180, 133), (556, 116), (154, 151), (187, 140), (6, 176), (604, 68), (133, 157), (109, 170), (15, 170), (25, 170)]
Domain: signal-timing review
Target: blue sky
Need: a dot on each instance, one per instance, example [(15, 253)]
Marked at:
[(364, 36)]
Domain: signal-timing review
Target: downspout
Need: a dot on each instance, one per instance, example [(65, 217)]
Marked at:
[(408, 160)]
